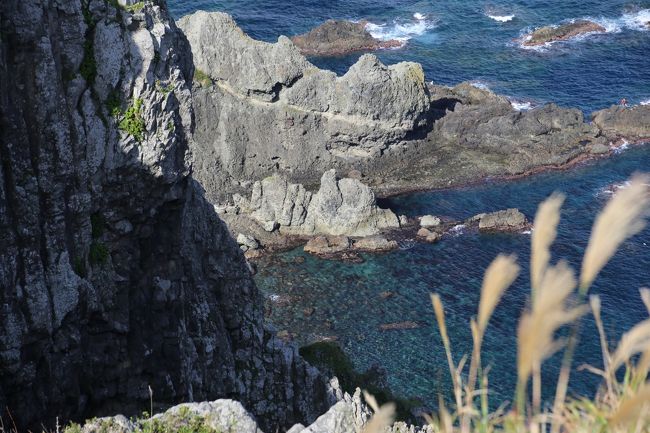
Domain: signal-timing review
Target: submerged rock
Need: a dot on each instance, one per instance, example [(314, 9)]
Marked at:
[(335, 37), (562, 32), (399, 326), (327, 245), (377, 243)]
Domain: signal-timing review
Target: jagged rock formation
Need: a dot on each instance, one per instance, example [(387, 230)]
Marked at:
[(631, 123), (271, 110), (116, 274), (335, 37), (349, 415), (340, 207), (562, 32)]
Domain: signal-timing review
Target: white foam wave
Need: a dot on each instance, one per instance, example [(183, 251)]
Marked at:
[(522, 105), (622, 147), (480, 85), (401, 30), (645, 102), (639, 20), (457, 230), (501, 18)]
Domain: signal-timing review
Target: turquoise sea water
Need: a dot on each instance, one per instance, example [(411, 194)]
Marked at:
[(457, 40)]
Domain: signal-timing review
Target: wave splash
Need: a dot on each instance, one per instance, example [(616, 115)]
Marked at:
[(400, 29), (501, 18), (636, 21)]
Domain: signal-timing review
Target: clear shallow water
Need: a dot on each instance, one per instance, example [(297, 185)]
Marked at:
[(455, 41), (348, 303)]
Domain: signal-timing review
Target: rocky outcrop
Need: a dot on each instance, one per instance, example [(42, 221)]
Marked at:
[(265, 110), (340, 207), (631, 123), (504, 220), (270, 110), (117, 278), (349, 415), (562, 32), (335, 37)]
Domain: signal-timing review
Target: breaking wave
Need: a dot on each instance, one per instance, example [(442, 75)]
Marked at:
[(402, 29)]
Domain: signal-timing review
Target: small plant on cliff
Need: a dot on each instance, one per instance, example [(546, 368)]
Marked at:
[(202, 78), (557, 300), (133, 123), (98, 254)]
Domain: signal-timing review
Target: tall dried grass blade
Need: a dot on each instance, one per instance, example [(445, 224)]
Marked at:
[(623, 217), (636, 340), (632, 410), (382, 418), (544, 234)]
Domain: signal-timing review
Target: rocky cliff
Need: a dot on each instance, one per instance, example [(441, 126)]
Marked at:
[(117, 278), (267, 109)]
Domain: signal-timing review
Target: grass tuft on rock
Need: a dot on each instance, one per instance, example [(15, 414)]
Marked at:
[(133, 123)]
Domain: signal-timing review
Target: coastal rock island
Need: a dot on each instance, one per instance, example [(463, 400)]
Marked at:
[(335, 37), (562, 32)]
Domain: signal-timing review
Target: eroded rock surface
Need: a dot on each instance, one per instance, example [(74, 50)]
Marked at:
[(631, 123), (270, 110), (335, 37), (340, 207)]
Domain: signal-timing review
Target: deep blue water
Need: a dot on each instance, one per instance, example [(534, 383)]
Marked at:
[(457, 41)]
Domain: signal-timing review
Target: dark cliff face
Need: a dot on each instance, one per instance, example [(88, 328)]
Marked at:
[(115, 273)]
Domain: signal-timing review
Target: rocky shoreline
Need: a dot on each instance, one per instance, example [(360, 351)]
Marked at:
[(135, 149)]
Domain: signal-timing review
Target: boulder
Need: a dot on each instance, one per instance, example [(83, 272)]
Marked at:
[(335, 37), (327, 245), (617, 121), (430, 221), (247, 241), (562, 32), (270, 226), (429, 236), (505, 220), (376, 243)]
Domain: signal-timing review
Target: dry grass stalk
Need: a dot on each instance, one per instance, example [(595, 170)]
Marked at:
[(535, 337), (636, 340), (439, 311), (500, 275), (645, 297), (633, 410), (622, 218), (544, 234), (383, 416)]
